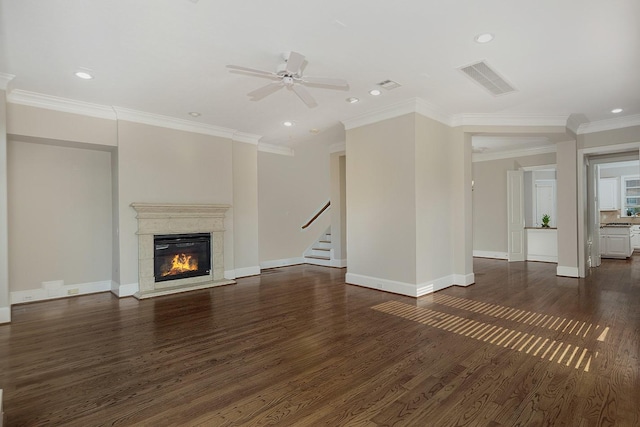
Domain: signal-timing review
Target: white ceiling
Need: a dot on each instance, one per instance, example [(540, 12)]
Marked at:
[(168, 57)]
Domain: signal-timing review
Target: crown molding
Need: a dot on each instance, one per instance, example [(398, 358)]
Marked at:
[(337, 147), (414, 105), (172, 123), (249, 138), (275, 149), (5, 80), (609, 124), (65, 105), (508, 120), (483, 157)]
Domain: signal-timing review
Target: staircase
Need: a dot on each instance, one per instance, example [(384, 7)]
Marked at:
[(320, 253)]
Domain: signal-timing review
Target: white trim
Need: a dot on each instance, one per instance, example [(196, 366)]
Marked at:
[(567, 271), (40, 294), (609, 124), (551, 167), (409, 289), (464, 279), (338, 147), (508, 120), (249, 138), (281, 262), (5, 80), (483, 157), (5, 315), (543, 258), (65, 105), (172, 123), (275, 149), (247, 271), (414, 105), (431, 111), (382, 284), (490, 254), (339, 263), (122, 291)]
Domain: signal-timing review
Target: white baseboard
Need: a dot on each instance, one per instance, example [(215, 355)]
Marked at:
[(464, 279), (5, 315), (386, 285), (490, 254), (122, 291), (542, 258), (409, 289), (340, 263), (59, 291), (281, 262), (567, 271), (245, 272)]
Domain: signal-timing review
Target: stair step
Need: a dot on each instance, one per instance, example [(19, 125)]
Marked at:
[(326, 258), (321, 249), (325, 241)]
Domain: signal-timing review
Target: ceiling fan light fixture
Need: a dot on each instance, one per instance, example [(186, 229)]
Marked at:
[(616, 110), (483, 38)]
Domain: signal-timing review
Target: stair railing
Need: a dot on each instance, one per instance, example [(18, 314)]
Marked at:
[(324, 208)]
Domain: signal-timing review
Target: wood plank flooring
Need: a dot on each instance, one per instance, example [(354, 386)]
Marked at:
[(297, 346)]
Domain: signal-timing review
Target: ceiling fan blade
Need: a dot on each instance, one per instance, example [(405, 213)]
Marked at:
[(324, 81), (304, 95), (265, 91), (251, 70), (294, 63)]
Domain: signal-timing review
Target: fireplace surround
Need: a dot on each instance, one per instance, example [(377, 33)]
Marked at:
[(162, 220)]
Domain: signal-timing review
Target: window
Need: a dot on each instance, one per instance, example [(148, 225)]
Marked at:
[(630, 195)]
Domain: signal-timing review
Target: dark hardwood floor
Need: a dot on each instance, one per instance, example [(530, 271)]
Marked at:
[(296, 346)]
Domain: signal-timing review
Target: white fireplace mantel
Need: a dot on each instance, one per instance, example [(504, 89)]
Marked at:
[(163, 218)]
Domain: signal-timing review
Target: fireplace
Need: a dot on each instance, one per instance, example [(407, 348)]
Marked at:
[(178, 256), (182, 228)]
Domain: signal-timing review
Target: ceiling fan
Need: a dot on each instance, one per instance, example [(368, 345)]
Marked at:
[(289, 75)]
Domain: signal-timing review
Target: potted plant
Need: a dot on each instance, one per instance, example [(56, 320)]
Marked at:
[(545, 220)]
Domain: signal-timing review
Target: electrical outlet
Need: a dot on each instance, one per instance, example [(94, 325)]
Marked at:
[(73, 291)]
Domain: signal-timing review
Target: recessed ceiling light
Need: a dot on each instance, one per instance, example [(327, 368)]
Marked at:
[(288, 124), (314, 131), (194, 114), (483, 38), (83, 75), (374, 92), (352, 100), (616, 110)]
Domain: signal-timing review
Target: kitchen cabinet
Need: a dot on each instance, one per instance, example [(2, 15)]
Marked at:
[(615, 242), (608, 194), (635, 237)]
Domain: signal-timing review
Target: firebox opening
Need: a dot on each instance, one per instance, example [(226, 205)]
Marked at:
[(178, 256)]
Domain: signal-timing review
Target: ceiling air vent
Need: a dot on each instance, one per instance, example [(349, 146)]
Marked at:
[(482, 74), (389, 84)]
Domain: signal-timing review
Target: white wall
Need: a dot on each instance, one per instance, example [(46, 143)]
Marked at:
[(5, 309), (490, 200), (567, 208), (59, 215), (381, 201), (160, 165), (245, 209), (291, 189), (434, 200)]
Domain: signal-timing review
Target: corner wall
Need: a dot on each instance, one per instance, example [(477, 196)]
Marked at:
[(291, 189), (5, 308)]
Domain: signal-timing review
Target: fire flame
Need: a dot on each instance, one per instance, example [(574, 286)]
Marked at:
[(181, 263)]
